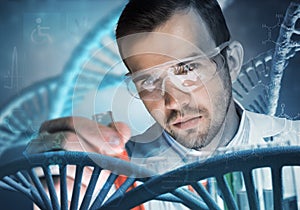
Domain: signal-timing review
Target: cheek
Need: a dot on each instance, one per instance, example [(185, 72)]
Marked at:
[(219, 92), (156, 109), (203, 97), (210, 96)]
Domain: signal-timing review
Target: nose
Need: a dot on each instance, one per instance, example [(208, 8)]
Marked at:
[(175, 98)]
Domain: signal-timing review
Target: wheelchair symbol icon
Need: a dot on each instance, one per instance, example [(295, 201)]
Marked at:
[(38, 36)]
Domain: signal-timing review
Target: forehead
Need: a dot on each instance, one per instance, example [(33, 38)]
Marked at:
[(183, 35)]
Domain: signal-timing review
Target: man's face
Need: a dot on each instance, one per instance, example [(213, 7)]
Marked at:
[(192, 116)]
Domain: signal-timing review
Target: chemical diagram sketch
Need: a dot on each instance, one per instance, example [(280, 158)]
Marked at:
[(271, 30)]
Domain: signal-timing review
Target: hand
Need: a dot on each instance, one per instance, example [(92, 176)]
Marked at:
[(80, 134)]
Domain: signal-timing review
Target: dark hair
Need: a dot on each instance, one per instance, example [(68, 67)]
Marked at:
[(145, 15)]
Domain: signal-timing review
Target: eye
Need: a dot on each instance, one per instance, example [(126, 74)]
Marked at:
[(184, 68), (149, 83), (192, 66)]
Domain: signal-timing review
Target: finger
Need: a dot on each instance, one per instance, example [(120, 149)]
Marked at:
[(87, 135), (100, 136), (123, 130), (57, 125), (95, 141), (58, 141), (47, 142), (105, 141)]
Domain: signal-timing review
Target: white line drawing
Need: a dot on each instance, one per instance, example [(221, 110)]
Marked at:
[(38, 36), (13, 74), (271, 28)]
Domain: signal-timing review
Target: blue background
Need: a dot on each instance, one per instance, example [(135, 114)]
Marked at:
[(254, 23)]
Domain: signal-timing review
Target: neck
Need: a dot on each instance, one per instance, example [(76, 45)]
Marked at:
[(231, 125)]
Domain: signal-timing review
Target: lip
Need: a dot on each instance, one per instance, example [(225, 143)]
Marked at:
[(186, 123)]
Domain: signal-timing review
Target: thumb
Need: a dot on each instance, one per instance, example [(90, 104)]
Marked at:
[(123, 130)]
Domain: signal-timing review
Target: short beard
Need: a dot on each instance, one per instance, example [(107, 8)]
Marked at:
[(196, 143), (208, 133), (198, 140)]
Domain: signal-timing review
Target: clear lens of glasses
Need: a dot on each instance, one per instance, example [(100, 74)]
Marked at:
[(186, 74)]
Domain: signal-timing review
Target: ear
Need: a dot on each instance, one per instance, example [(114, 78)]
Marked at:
[(234, 57)]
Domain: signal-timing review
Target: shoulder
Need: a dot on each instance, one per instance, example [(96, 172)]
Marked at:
[(263, 120), (268, 125)]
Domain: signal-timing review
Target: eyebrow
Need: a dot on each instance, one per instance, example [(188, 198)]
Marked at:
[(181, 61), (193, 54), (186, 59)]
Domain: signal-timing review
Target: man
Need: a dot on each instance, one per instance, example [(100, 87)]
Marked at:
[(181, 62), (195, 115)]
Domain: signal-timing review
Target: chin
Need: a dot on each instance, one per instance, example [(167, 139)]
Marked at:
[(193, 142)]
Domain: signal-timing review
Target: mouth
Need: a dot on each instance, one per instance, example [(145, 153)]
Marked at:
[(187, 123)]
